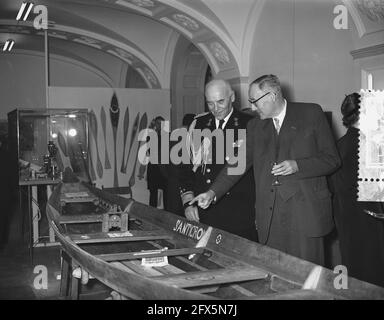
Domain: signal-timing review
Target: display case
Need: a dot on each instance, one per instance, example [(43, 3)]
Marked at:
[(43, 144), (46, 142)]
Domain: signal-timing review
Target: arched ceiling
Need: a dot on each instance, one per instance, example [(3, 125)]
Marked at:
[(143, 33), (368, 15)]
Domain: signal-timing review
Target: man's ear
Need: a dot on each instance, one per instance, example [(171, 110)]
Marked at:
[(233, 96)]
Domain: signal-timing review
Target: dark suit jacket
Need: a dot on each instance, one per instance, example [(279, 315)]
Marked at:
[(235, 210), (305, 136), (361, 236)]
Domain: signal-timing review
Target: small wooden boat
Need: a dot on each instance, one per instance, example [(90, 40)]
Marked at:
[(141, 252)]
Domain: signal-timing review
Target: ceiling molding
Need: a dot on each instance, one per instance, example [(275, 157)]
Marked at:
[(133, 56), (183, 18), (363, 14), (168, 59), (202, 26), (217, 34), (353, 11), (249, 36), (368, 52)]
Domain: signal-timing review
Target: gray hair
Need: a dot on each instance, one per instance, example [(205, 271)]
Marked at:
[(220, 82), (269, 81)]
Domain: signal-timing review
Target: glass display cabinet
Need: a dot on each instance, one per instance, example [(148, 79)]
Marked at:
[(44, 142)]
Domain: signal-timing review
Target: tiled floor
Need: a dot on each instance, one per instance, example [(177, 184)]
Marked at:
[(21, 280), (17, 277)]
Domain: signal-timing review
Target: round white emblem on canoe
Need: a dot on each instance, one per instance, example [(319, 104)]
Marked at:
[(218, 238)]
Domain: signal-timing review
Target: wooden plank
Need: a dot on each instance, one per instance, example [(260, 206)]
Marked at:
[(153, 271), (89, 218), (148, 253), (169, 269), (298, 294), (212, 277), (65, 274), (79, 200), (122, 267), (74, 295), (136, 266), (236, 287), (103, 237), (37, 182)]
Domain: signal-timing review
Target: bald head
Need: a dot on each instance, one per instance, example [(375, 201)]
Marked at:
[(219, 96), (219, 84)]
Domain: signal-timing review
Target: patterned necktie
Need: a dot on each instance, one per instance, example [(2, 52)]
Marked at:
[(277, 125), (221, 123)]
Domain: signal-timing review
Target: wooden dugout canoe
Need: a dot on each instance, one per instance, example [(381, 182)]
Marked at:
[(203, 262)]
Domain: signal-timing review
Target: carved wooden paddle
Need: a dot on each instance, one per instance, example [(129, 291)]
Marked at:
[(93, 127), (133, 135), (142, 126), (125, 133), (114, 113)]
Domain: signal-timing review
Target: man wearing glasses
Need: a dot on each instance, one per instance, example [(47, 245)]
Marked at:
[(235, 211), (291, 149)]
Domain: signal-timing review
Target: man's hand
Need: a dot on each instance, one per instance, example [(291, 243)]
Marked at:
[(285, 168), (204, 199), (192, 213)]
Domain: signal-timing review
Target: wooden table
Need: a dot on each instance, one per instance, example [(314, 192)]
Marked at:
[(33, 210)]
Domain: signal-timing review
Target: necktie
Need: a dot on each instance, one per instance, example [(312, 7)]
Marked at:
[(277, 125), (221, 123)]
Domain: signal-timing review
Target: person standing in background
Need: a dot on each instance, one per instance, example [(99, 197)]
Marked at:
[(156, 178), (172, 171), (361, 236)]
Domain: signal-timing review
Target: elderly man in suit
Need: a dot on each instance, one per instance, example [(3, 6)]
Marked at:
[(292, 149), (235, 211)]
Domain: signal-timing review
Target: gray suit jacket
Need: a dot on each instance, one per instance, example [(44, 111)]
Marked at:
[(305, 136)]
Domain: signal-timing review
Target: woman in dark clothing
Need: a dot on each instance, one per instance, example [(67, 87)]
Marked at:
[(166, 176), (156, 178), (361, 236), (174, 204)]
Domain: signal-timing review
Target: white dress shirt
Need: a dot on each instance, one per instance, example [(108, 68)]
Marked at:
[(225, 120), (281, 115)]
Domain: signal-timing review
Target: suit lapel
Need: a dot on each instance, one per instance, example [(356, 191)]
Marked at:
[(232, 122), (211, 124), (288, 131), (265, 140)]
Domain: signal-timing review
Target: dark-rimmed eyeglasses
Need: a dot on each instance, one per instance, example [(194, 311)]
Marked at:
[(254, 101)]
